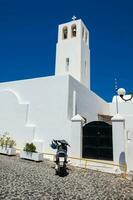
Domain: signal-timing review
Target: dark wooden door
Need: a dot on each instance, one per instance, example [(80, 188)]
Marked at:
[(97, 141)]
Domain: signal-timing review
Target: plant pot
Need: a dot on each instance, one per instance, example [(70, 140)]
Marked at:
[(8, 151), (31, 155)]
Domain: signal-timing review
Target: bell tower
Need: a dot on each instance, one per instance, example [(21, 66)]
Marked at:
[(72, 51)]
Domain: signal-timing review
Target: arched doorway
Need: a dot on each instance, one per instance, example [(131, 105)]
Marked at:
[(97, 141)]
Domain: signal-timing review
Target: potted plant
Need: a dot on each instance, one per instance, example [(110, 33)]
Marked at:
[(7, 145), (29, 152)]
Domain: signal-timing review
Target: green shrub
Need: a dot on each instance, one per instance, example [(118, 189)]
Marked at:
[(2, 141), (6, 141), (11, 143), (30, 147)]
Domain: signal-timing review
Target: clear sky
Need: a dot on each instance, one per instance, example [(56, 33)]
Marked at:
[(28, 35)]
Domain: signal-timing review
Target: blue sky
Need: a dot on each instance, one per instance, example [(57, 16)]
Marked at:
[(28, 35)]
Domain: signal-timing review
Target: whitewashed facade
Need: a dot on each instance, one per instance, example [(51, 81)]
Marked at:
[(41, 109)]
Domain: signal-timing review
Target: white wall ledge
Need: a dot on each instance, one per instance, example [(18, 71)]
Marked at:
[(118, 117)]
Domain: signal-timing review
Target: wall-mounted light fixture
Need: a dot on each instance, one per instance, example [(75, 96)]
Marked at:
[(121, 92)]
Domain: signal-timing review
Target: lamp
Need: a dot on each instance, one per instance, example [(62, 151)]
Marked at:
[(121, 92)]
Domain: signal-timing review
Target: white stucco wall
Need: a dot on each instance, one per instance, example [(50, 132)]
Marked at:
[(41, 109), (126, 110), (129, 150), (13, 117), (38, 113), (87, 104)]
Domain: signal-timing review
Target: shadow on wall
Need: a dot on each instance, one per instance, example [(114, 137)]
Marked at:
[(122, 160)]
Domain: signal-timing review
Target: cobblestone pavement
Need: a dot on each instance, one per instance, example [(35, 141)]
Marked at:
[(27, 180)]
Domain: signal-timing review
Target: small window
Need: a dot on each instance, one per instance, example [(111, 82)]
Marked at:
[(65, 32), (83, 32), (86, 37), (67, 64), (74, 30), (85, 68)]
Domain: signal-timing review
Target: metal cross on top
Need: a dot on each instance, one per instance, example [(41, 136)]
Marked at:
[(74, 18)]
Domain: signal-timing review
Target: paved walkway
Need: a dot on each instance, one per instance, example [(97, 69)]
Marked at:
[(27, 180)]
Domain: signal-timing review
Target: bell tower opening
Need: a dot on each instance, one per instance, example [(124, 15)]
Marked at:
[(73, 30), (64, 33)]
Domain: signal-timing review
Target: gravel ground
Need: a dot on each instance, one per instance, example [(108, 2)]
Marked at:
[(27, 180)]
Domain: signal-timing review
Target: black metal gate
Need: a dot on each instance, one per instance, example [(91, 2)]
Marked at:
[(97, 141)]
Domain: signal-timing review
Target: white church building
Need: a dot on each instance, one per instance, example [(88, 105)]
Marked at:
[(64, 107)]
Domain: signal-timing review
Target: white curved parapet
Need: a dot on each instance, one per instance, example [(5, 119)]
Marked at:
[(14, 117)]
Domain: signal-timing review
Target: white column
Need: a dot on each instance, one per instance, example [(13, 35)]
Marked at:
[(74, 103), (129, 150), (76, 136), (118, 131)]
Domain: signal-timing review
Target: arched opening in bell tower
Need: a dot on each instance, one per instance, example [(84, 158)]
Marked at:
[(65, 32), (74, 30)]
